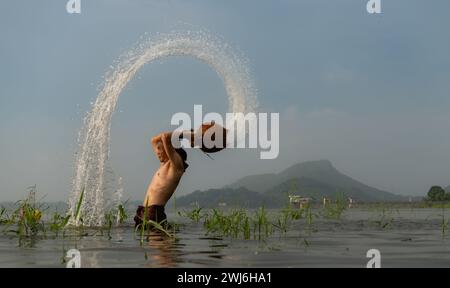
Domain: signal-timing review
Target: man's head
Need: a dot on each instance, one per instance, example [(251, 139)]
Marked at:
[(162, 156), (160, 153)]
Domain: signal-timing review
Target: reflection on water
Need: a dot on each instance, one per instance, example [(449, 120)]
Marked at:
[(163, 251), (413, 238)]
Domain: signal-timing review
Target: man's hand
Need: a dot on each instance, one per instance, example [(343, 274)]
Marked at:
[(156, 139), (161, 137)]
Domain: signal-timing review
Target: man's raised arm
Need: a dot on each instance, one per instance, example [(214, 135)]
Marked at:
[(170, 151)]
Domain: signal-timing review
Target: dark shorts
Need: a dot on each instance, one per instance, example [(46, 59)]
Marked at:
[(154, 213)]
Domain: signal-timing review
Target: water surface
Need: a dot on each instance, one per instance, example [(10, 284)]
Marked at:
[(405, 238)]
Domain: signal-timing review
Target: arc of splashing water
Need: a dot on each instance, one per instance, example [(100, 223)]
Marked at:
[(93, 156)]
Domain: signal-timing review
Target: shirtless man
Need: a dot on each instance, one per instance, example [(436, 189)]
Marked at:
[(165, 180), (173, 166)]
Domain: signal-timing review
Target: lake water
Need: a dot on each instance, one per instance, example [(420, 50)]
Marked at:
[(404, 237)]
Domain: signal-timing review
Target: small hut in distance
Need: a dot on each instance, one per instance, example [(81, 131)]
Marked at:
[(299, 201)]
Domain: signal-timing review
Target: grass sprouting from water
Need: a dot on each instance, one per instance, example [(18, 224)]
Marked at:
[(335, 209), (385, 219), (195, 214), (234, 224), (244, 224), (261, 224), (161, 227), (444, 222), (309, 214), (59, 223), (444, 225), (77, 213), (26, 220), (121, 214), (239, 223), (3, 216)]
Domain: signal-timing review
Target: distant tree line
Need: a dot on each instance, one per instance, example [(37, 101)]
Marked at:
[(437, 193)]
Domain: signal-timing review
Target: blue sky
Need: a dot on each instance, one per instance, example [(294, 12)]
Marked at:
[(368, 92)]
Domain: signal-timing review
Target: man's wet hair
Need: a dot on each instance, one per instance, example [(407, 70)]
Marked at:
[(183, 156)]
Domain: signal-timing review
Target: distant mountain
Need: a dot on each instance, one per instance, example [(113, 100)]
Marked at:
[(314, 179), (241, 197), (264, 182)]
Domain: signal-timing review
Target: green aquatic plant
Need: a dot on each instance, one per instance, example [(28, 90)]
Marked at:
[(78, 208), (385, 219), (261, 223), (258, 226), (238, 224), (27, 219), (231, 224), (309, 214), (334, 210), (142, 227), (234, 224), (3, 216), (282, 222), (161, 227), (109, 220), (295, 214), (58, 223), (116, 215), (121, 213), (285, 217), (150, 225), (444, 222), (444, 225), (246, 230), (195, 214), (216, 223)]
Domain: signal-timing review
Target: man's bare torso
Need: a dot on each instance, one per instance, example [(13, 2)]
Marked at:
[(163, 184)]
